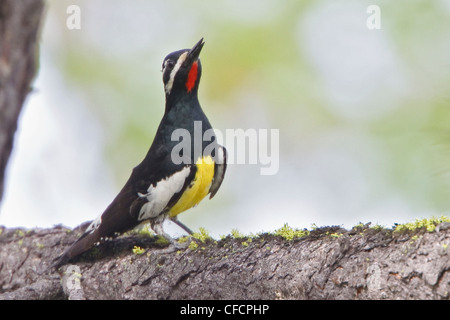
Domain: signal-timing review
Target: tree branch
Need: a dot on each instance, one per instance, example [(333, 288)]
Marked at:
[(329, 263)]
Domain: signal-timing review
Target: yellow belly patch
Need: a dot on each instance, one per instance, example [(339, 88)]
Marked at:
[(199, 187)]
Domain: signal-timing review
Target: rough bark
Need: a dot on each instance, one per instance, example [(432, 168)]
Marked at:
[(19, 28), (329, 263)]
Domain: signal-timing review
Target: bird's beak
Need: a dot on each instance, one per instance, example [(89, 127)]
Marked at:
[(194, 53)]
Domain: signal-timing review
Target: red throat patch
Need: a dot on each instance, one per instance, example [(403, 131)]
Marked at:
[(192, 77)]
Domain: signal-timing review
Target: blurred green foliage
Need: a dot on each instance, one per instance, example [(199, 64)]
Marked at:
[(258, 71)]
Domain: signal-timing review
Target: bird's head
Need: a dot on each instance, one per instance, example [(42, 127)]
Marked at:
[(182, 70)]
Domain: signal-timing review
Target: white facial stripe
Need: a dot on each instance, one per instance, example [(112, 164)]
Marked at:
[(159, 196), (175, 69), (165, 65)]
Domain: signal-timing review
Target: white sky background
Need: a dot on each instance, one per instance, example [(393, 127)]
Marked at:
[(57, 173)]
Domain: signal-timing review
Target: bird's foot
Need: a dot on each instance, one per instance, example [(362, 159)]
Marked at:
[(175, 245)]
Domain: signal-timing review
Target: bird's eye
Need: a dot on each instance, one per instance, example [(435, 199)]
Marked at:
[(169, 64)]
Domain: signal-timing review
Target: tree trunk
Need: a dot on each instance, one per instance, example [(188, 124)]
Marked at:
[(19, 28), (329, 263)]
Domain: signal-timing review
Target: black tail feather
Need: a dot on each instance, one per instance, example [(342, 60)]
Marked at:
[(84, 243)]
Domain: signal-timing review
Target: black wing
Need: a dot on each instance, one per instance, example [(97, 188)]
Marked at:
[(219, 171)]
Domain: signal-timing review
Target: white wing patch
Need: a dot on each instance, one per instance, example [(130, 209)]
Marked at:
[(158, 196), (94, 225), (220, 155)]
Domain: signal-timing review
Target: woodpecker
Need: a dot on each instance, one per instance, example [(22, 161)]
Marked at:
[(162, 186)]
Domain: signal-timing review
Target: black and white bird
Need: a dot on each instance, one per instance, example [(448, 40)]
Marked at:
[(174, 175)]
